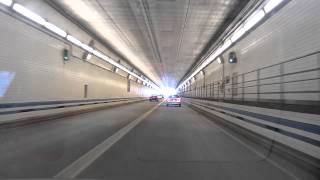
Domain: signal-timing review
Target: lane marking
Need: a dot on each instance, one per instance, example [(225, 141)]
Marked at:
[(88, 158)]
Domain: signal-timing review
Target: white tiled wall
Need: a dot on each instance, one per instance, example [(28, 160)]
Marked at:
[(35, 60)]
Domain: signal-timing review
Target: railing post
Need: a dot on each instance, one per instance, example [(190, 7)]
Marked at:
[(218, 91), (258, 85), (318, 62), (213, 90), (242, 84), (281, 83)]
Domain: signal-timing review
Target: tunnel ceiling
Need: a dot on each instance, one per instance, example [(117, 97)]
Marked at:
[(162, 38)]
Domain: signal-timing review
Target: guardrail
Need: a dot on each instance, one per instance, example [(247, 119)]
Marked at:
[(296, 130), (255, 86), (28, 112)]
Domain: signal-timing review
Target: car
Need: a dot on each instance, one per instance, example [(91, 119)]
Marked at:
[(153, 98), (160, 97), (174, 100)]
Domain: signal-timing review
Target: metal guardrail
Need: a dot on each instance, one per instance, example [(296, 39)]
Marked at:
[(13, 108), (231, 89)]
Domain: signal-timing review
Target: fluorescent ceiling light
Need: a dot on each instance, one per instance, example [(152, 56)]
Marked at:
[(237, 34), (87, 48), (253, 20), (271, 5), (97, 53), (119, 66), (6, 2), (55, 29), (226, 45), (74, 40), (29, 14)]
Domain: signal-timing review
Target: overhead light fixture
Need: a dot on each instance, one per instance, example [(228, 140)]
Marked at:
[(237, 34), (6, 2), (119, 66), (97, 53), (226, 45), (28, 14), (253, 20), (87, 48), (271, 5), (55, 29), (74, 40)]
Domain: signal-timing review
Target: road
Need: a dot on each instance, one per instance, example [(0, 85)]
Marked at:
[(170, 143)]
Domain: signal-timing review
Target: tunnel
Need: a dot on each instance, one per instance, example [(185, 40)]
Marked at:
[(160, 89)]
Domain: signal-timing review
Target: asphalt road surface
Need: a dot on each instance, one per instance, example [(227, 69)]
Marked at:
[(168, 143)]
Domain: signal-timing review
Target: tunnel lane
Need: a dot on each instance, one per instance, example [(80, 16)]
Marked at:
[(42, 149), (170, 143), (178, 143)]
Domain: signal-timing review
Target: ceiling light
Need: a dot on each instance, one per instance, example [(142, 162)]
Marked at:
[(253, 20), (29, 14), (6, 2), (237, 34), (97, 53), (74, 40), (119, 66), (226, 45), (55, 29), (87, 48), (271, 5)]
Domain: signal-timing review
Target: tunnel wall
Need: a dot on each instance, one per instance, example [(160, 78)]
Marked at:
[(37, 84), (33, 69), (274, 88), (278, 62)]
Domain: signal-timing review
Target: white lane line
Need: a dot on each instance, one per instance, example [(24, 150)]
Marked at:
[(87, 159)]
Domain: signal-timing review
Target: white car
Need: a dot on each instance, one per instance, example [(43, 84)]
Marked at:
[(174, 100)]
